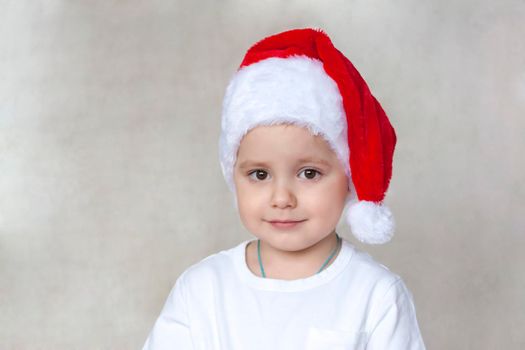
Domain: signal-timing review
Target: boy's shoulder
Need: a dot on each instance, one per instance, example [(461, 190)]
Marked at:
[(212, 266), (366, 264), (370, 277)]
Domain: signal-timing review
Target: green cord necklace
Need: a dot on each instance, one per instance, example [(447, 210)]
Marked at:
[(322, 267)]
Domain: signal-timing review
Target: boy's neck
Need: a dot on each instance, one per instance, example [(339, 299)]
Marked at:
[(286, 265)]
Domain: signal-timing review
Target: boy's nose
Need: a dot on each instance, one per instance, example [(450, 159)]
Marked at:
[(283, 196)]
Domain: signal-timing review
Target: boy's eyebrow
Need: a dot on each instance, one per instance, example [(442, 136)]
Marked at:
[(249, 163), (313, 160)]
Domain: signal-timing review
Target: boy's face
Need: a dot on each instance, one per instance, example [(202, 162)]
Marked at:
[(284, 173)]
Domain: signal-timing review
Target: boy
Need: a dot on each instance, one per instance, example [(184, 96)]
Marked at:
[(302, 137)]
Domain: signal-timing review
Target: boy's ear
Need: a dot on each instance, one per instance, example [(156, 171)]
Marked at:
[(348, 193)]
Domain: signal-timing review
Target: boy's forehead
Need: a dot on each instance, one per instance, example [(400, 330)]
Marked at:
[(284, 141)]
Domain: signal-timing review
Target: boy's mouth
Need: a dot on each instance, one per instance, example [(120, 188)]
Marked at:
[(285, 223)]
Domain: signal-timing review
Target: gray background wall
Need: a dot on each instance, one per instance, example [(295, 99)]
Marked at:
[(110, 184)]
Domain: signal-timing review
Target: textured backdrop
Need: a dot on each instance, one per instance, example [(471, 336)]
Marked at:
[(110, 184)]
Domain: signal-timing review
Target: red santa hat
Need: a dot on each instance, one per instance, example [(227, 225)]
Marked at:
[(299, 77)]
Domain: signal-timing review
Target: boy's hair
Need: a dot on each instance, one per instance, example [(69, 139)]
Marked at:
[(299, 77)]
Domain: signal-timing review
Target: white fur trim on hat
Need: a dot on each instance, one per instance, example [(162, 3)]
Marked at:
[(370, 222)]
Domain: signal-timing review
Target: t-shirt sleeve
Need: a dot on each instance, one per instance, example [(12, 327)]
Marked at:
[(172, 328), (394, 322)]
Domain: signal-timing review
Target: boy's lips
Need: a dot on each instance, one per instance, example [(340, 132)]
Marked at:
[(285, 223)]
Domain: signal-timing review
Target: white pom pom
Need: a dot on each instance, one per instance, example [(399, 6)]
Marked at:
[(370, 223)]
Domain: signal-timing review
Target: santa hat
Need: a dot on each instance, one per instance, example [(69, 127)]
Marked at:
[(299, 77)]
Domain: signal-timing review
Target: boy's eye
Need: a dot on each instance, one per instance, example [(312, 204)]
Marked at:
[(259, 174), (310, 174)]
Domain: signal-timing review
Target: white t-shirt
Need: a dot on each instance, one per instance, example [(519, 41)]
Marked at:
[(354, 303)]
